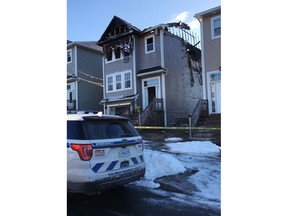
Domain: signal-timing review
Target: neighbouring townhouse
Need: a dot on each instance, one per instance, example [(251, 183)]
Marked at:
[(84, 75), (151, 75), (210, 21)]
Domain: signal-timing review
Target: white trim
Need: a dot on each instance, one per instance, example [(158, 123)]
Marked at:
[(134, 67), (122, 73), (158, 93), (145, 40), (209, 90), (114, 58), (203, 61), (162, 49), (163, 85), (76, 74), (212, 27), (104, 90)]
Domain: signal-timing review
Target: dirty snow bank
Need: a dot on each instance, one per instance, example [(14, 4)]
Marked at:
[(194, 147), (159, 164), (173, 139)]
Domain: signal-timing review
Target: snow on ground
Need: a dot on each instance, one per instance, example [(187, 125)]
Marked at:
[(159, 164), (198, 155), (173, 139), (194, 147)]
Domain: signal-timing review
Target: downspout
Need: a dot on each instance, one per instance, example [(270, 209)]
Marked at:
[(163, 76), (203, 59), (134, 65), (104, 84), (76, 74)]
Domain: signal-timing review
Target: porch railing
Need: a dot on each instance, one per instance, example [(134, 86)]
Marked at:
[(155, 105), (196, 113), (71, 104)]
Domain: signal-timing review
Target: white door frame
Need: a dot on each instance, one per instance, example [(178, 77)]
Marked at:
[(210, 82), (145, 90)]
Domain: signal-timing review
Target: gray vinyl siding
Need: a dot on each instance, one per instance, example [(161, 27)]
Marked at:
[(89, 95), (212, 48), (181, 97), (150, 59)]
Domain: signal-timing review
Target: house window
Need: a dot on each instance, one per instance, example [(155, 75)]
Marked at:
[(149, 44), (113, 53), (117, 52), (127, 80), (109, 53), (215, 27), (69, 56), (119, 81), (110, 83)]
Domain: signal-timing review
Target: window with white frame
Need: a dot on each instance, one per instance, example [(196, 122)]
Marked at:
[(119, 81), (113, 53), (127, 80), (69, 56), (216, 27), (110, 83), (149, 44)]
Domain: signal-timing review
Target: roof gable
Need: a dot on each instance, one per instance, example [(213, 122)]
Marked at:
[(117, 28), (89, 45)]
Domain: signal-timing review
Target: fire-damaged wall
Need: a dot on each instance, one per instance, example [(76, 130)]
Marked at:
[(183, 80)]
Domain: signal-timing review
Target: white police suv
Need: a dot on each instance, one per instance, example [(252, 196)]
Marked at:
[(102, 152)]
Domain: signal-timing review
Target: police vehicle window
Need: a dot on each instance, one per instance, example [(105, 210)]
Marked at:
[(75, 130), (108, 129)]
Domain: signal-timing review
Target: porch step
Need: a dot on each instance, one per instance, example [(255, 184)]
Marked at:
[(209, 122)]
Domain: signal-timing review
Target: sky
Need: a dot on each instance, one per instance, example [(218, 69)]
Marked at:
[(88, 19)]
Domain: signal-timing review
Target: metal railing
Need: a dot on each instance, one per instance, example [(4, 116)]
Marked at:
[(196, 113), (155, 105)]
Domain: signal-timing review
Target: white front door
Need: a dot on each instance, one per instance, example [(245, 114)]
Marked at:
[(214, 92), (218, 97)]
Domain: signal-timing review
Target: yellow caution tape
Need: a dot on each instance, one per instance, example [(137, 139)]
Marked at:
[(175, 128)]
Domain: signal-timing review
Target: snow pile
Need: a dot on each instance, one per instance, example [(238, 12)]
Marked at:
[(159, 164), (173, 139), (194, 147)]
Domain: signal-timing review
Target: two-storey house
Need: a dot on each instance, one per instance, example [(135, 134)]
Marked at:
[(156, 72), (210, 25), (84, 75)]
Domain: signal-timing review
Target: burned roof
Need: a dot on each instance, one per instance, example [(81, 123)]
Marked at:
[(117, 28)]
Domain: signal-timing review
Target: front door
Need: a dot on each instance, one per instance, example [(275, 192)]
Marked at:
[(150, 89), (214, 92)]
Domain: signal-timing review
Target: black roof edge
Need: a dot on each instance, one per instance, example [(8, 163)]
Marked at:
[(156, 68)]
